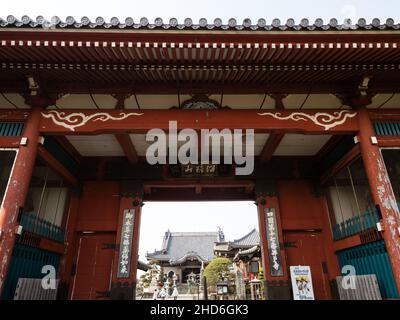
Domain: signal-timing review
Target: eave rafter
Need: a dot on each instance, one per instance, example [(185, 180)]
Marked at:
[(74, 62)]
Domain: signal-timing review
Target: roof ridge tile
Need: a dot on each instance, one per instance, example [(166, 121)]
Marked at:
[(203, 24)]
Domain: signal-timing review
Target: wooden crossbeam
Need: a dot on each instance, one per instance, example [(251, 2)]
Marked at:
[(127, 146), (57, 166), (270, 146), (74, 122), (64, 142)]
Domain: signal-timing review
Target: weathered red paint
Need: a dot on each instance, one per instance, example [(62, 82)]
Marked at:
[(128, 203), (381, 189), (99, 207), (346, 243), (66, 262), (309, 249), (127, 146), (390, 141), (270, 146), (305, 212), (17, 190), (271, 202), (53, 163), (340, 164), (384, 114), (9, 142), (262, 227), (93, 266), (331, 257)]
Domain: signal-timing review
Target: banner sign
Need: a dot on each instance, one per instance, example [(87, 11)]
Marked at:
[(196, 170), (301, 283), (124, 261), (208, 170), (273, 243)]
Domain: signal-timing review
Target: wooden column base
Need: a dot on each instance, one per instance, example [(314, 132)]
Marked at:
[(123, 291)]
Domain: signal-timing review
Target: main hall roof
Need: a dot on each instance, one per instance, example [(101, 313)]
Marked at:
[(203, 24), (177, 246)]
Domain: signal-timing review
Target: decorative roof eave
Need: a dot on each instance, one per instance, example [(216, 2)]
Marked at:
[(143, 266), (189, 255), (173, 24), (241, 246), (157, 255), (248, 252)]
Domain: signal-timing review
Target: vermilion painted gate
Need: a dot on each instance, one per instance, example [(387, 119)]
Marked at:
[(306, 249)]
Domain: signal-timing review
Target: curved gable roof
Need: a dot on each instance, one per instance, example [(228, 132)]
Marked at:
[(249, 240), (178, 245)]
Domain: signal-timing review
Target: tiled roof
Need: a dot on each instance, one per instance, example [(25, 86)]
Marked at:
[(247, 252), (202, 24), (177, 245), (249, 240), (250, 250), (142, 266)]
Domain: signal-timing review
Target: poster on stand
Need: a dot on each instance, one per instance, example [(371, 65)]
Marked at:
[(301, 283)]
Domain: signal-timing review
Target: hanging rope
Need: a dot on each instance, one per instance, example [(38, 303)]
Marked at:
[(137, 101), (9, 101), (58, 201), (94, 101), (387, 100), (263, 101)]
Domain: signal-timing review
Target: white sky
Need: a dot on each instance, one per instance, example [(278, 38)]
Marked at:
[(209, 9), (234, 218)]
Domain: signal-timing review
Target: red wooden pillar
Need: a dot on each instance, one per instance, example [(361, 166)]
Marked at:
[(124, 288), (17, 190), (381, 189), (331, 257), (66, 262), (277, 286)]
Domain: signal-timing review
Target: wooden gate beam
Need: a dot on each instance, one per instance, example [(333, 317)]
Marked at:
[(72, 122), (127, 146)]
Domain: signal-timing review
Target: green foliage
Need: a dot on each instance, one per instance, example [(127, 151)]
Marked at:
[(261, 278), (216, 268), (161, 279), (260, 274), (153, 273), (145, 280)]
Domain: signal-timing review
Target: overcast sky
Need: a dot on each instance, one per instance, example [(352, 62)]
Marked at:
[(234, 218), (209, 9)]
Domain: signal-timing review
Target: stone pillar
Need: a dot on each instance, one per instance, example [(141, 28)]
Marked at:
[(124, 288), (381, 189), (17, 190)]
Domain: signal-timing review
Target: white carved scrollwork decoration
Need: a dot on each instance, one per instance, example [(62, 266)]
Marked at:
[(78, 119), (323, 119)]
